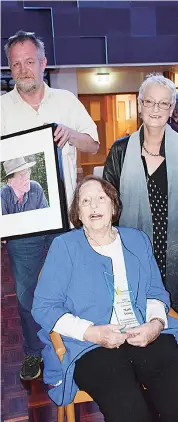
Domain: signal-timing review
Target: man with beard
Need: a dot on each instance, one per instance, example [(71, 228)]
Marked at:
[(31, 104)]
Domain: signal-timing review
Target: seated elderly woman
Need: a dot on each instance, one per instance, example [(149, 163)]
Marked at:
[(101, 289)]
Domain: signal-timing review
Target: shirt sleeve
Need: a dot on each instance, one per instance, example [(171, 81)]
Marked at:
[(3, 206), (156, 309), (71, 326), (42, 202), (82, 120), (112, 167)]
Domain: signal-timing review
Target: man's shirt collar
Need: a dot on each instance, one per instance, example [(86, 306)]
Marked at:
[(15, 199)]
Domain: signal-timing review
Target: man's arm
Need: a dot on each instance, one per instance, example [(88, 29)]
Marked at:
[(82, 141), (5, 200), (82, 133), (4, 208)]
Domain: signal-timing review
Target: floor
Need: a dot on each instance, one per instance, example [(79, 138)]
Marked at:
[(25, 401)]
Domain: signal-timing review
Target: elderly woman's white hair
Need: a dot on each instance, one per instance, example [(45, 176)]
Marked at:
[(157, 78)]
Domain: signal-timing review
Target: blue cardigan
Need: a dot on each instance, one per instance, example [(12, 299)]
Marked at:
[(78, 280)]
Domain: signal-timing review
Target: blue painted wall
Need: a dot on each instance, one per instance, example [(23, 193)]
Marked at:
[(97, 32)]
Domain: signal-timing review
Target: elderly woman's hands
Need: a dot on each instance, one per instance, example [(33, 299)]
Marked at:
[(108, 336), (144, 334)]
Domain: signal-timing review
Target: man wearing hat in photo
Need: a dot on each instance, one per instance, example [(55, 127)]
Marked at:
[(20, 194), (173, 121)]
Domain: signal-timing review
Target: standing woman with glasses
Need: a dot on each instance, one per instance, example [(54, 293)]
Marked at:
[(144, 169)]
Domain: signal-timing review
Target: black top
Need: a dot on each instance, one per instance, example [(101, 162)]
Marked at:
[(158, 197), (159, 183), (157, 192)]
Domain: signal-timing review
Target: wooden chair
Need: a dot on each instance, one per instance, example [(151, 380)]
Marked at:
[(81, 396)]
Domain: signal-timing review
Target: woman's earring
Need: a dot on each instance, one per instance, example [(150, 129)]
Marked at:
[(170, 120)]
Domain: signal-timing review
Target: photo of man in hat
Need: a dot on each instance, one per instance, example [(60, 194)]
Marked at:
[(20, 194)]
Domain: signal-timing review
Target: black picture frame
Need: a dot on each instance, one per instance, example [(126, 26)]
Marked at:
[(51, 218)]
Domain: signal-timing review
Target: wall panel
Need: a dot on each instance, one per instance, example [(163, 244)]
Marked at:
[(75, 32)]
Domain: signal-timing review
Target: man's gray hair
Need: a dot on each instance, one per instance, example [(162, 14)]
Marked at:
[(157, 78), (22, 36)]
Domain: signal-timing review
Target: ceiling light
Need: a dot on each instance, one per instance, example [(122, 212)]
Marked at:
[(102, 78)]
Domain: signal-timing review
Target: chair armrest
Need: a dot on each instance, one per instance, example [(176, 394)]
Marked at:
[(173, 313), (58, 345)]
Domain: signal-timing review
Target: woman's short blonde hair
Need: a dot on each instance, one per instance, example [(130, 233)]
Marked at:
[(157, 78)]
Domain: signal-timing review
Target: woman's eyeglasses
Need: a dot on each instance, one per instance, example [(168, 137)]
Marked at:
[(163, 105)]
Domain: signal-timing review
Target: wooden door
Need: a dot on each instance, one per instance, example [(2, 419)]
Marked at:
[(121, 119), (96, 107)]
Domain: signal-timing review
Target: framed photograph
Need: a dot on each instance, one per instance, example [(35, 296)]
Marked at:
[(33, 199)]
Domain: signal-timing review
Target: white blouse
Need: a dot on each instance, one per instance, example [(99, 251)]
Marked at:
[(75, 327)]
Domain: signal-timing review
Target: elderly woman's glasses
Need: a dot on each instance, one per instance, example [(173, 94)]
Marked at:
[(163, 105)]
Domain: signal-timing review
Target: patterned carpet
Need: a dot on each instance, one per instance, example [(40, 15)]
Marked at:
[(25, 401)]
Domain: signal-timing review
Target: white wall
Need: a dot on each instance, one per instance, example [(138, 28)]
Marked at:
[(120, 82), (64, 79), (83, 81)]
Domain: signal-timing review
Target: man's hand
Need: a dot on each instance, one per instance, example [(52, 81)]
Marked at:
[(144, 334), (62, 135), (108, 336), (82, 141)]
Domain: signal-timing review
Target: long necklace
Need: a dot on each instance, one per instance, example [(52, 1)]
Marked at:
[(150, 153), (113, 236)]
